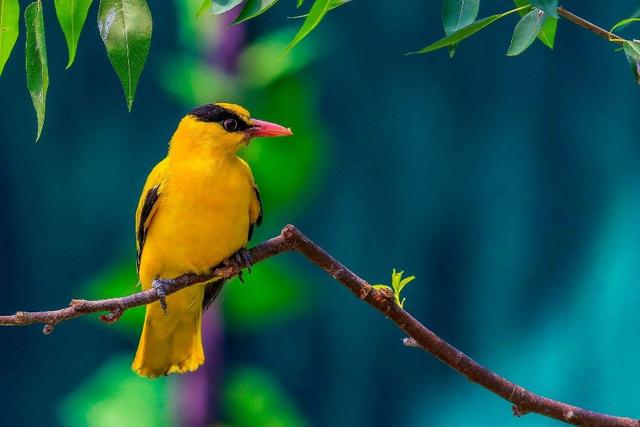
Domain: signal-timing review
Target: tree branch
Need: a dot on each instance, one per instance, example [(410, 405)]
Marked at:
[(589, 26), (291, 239)]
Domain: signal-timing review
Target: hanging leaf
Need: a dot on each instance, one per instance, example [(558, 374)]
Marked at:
[(222, 6), (9, 21), (465, 32), (317, 12), (550, 7), (457, 14), (71, 16), (547, 34), (36, 61), (125, 27), (300, 3), (253, 8), (334, 4), (526, 31), (632, 51)]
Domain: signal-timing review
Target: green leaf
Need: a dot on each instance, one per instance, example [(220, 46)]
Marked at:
[(317, 12), (465, 32), (222, 6), (125, 27), (526, 31), (36, 61), (300, 3), (253, 8), (9, 28), (71, 16), (334, 4), (622, 23), (398, 284), (632, 51), (550, 7), (547, 33), (404, 282), (457, 14), (337, 3)]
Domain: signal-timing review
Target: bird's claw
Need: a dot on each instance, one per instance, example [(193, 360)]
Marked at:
[(161, 290), (239, 261)]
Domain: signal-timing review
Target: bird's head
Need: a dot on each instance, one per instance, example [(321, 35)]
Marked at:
[(222, 128)]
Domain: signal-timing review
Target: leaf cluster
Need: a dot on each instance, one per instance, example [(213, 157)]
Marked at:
[(538, 19), (397, 285), (255, 8), (125, 27)]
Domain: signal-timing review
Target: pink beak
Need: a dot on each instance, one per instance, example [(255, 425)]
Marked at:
[(267, 129)]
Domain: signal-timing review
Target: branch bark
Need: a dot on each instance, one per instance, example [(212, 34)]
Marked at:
[(291, 239)]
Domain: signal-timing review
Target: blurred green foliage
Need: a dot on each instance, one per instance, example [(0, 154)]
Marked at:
[(115, 396), (118, 279), (275, 291), (252, 397)]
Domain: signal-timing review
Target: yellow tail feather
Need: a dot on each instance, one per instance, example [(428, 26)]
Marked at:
[(172, 343)]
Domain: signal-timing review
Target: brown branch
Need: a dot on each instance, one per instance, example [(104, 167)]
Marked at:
[(589, 26), (291, 239)]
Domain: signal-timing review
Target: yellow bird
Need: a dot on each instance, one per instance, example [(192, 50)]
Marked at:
[(198, 208)]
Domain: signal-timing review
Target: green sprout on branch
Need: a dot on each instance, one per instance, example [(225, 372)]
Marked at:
[(397, 285)]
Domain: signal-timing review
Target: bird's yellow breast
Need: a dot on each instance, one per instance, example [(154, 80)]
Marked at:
[(202, 217)]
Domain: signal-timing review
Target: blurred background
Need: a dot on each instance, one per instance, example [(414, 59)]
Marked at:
[(508, 186)]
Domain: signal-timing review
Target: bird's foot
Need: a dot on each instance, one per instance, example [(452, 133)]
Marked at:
[(239, 261), (161, 290)]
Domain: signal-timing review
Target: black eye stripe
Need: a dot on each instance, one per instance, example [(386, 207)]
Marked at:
[(218, 114)]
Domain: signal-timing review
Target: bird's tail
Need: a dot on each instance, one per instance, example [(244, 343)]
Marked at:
[(172, 343)]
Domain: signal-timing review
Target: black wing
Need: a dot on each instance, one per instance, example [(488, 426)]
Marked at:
[(259, 219), (141, 233)]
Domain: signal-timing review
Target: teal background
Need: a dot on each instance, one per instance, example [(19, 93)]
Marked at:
[(508, 186)]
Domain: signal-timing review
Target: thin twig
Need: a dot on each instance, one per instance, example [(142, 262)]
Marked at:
[(569, 16), (291, 239)]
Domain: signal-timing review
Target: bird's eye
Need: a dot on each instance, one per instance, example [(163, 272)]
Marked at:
[(230, 125)]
